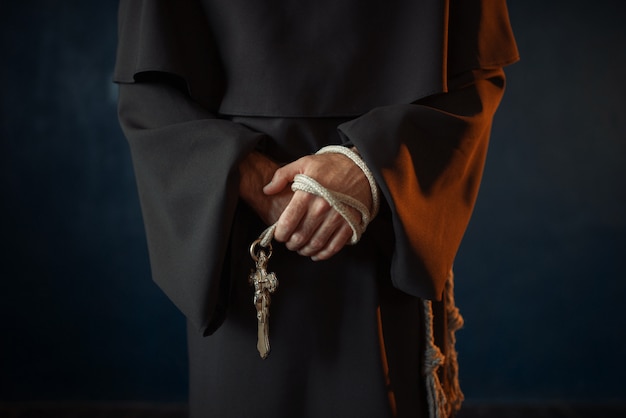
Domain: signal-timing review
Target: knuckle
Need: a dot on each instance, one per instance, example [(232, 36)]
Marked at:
[(296, 240), (316, 244), (278, 235), (291, 246), (285, 224), (320, 207), (282, 232), (306, 252), (324, 255), (333, 248)]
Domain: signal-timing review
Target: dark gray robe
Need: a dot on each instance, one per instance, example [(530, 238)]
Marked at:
[(414, 87)]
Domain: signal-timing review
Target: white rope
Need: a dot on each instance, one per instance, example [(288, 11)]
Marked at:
[(265, 239)]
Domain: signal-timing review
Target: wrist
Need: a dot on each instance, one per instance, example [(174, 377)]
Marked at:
[(254, 172)]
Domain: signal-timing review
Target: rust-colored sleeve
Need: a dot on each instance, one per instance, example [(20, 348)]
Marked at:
[(428, 160)]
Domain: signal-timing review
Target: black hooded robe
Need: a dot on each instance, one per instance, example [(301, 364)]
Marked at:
[(413, 84)]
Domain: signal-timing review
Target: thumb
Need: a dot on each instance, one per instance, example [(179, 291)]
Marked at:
[(282, 177)]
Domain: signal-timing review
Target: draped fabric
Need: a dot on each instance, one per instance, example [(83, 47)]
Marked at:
[(414, 87), (291, 58)]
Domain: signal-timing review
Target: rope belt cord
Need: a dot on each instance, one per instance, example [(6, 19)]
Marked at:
[(338, 201)]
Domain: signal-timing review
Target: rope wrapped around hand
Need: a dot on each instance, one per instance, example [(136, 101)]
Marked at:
[(339, 201)]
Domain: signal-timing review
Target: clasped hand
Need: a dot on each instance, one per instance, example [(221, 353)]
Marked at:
[(304, 222)]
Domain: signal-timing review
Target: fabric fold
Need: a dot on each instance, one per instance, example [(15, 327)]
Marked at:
[(185, 163), (237, 58), (429, 171)]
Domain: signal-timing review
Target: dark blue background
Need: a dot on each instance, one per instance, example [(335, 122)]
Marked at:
[(540, 276)]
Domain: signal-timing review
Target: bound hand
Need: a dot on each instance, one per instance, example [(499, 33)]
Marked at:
[(308, 224)]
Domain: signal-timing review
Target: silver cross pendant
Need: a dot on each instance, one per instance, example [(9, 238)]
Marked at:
[(264, 284)]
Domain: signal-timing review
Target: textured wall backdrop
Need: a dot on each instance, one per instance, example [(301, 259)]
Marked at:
[(538, 276)]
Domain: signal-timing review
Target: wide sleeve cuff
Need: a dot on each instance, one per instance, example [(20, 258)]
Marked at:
[(428, 159), (185, 162)]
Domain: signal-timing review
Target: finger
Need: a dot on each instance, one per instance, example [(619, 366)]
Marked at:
[(282, 177), (291, 217), (276, 206), (340, 237), (322, 235), (317, 212), (336, 243)]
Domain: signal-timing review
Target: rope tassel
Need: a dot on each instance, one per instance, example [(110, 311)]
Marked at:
[(433, 359), (440, 403), (454, 323)]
